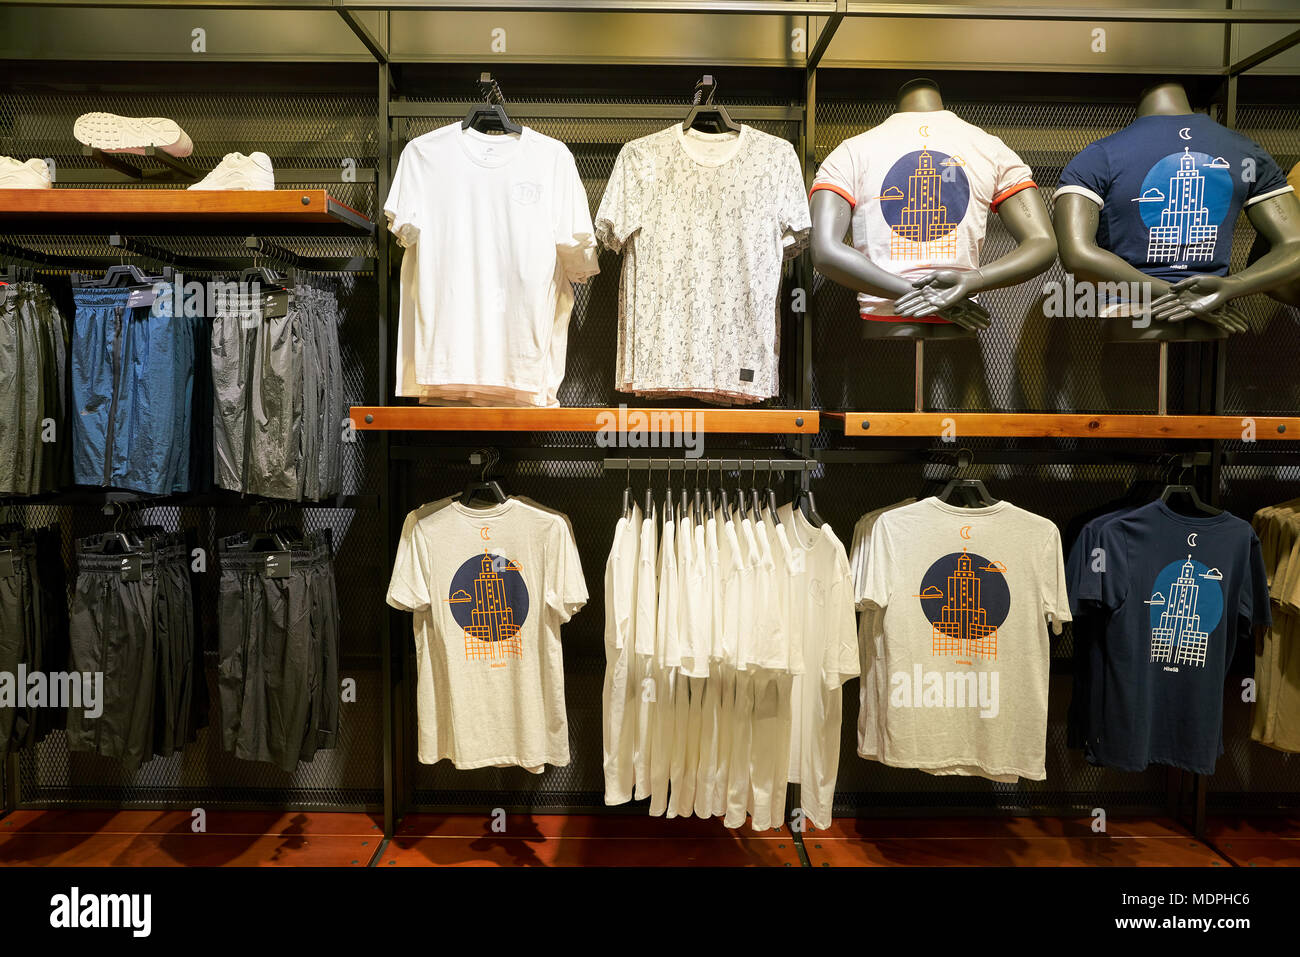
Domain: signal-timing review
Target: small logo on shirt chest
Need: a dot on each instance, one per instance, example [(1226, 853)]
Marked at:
[(526, 194)]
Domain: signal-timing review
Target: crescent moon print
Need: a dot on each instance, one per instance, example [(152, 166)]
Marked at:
[(924, 130), (1185, 133), (965, 531), (483, 534), (1191, 539)]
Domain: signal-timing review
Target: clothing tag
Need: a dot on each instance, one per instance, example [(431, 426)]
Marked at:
[(143, 296), (8, 567), (278, 565), (275, 305), (131, 568), (746, 375)]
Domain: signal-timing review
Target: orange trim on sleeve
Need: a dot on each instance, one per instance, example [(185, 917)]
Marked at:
[(833, 189), (1006, 194)]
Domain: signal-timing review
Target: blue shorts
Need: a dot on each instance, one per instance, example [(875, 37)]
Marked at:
[(132, 385)]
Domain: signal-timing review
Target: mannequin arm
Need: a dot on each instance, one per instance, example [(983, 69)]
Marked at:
[(1278, 221), (842, 264), (1076, 223), (837, 260), (1025, 215)]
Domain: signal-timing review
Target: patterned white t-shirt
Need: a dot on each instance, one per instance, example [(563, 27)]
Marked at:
[(705, 221), (921, 185)]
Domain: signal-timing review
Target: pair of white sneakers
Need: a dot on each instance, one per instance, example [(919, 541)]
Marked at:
[(135, 134), (15, 174)]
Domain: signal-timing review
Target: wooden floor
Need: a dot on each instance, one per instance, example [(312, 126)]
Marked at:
[(168, 838)]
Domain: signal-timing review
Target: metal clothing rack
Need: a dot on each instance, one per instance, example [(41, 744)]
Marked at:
[(398, 467)]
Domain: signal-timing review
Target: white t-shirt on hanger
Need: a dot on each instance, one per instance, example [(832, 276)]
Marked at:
[(706, 221), (824, 623), (966, 595), (619, 695), (497, 228)]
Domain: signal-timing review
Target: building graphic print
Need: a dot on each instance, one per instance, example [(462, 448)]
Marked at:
[(1179, 638), (492, 631), (962, 626), (924, 231), (1185, 233)]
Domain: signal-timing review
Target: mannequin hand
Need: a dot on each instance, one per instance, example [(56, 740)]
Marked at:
[(938, 290), (968, 314), (1200, 297)]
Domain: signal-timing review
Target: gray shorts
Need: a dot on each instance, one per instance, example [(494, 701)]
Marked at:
[(33, 629), (140, 636), (278, 643), (278, 400), (33, 371)]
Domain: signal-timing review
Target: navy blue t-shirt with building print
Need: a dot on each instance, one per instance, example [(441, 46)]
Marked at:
[(1170, 189), (1179, 592)]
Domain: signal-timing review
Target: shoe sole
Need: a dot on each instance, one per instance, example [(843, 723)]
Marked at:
[(131, 134)]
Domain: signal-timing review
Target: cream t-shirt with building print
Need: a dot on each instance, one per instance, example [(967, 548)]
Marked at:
[(489, 589), (966, 595)]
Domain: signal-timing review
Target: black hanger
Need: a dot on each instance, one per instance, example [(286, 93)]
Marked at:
[(264, 276), (806, 502), (684, 508), (755, 504), (627, 493), (697, 500), (705, 113), (1175, 489), (670, 509), (491, 114), (119, 541), (484, 487), (1190, 491), (971, 492), (771, 495), (649, 490), (710, 506), (124, 274)]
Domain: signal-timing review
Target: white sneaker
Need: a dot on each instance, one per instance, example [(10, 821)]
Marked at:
[(131, 134), (33, 174), (238, 171)]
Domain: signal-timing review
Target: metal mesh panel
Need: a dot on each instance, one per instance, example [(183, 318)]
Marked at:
[(303, 130), (1024, 361), (1261, 363)]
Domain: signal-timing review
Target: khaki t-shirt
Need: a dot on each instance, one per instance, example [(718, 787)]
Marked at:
[(489, 589), (965, 595)]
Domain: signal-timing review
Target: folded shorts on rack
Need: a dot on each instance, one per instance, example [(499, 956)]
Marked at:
[(139, 636), (132, 386), (278, 645), (33, 374)]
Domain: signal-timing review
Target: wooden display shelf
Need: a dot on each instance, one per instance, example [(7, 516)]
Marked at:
[(416, 418), (1063, 425), (20, 208)]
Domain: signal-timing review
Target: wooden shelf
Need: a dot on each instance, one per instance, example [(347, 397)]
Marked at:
[(1062, 426), (23, 210), (415, 418)]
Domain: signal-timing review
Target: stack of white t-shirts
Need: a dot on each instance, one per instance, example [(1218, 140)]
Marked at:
[(496, 229), (727, 642), (704, 222), (955, 649)]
